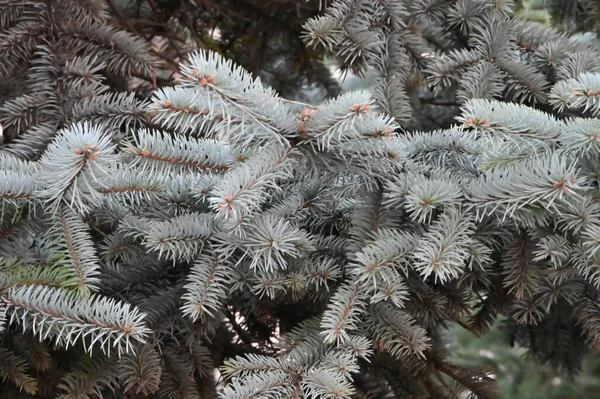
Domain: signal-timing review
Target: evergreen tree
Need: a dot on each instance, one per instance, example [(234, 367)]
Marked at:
[(63, 62), (261, 36), (224, 241)]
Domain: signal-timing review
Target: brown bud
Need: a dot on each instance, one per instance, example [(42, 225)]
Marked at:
[(306, 112), (360, 107), (560, 185), (227, 202), (301, 128), (207, 79)]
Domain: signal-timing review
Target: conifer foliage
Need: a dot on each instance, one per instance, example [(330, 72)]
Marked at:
[(63, 62), (230, 244)]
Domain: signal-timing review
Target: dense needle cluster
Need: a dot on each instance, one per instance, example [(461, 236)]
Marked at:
[(221, 241)]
